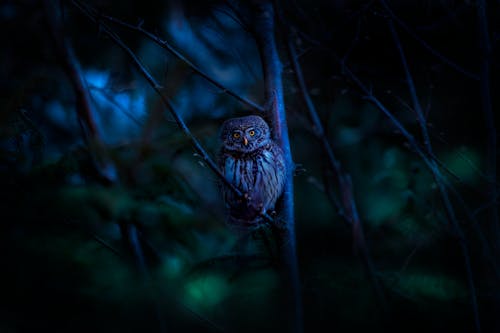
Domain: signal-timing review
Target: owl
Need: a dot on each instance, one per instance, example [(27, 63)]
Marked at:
[(252, 162)]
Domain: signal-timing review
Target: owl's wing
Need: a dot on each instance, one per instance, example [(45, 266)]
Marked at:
[(280, 169), (270, 179)]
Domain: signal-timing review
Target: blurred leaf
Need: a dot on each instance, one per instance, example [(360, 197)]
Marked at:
[(463, 162), (383, 206), (206, 291), (423, 286)]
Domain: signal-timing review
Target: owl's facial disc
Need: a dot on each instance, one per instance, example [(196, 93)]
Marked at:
[(245, 134), (250, 135), (245, 139)]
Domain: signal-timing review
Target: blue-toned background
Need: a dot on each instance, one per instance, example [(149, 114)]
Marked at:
[(65, 265)]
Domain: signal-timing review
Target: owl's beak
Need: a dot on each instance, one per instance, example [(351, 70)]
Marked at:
[(245, 141)]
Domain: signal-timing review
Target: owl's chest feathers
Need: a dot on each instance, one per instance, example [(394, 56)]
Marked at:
[(247, 155), (245, 170)]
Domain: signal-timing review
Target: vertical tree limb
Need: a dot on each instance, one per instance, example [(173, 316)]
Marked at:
[(95, 17), (264, 28)]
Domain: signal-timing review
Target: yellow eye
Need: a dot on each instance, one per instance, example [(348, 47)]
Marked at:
[(236, 135), (252, 133)]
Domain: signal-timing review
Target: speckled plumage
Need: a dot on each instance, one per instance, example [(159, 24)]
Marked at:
[(251, 161)]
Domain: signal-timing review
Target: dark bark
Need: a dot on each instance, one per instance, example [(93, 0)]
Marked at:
[(264, 28)]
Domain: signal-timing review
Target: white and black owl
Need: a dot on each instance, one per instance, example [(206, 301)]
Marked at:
[(254, 163)]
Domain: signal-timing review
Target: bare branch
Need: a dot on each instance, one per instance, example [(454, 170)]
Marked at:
[(105, 93), (438, 178), (429, 48), (165, 100), (343, 180), (166, 45), (157, 88), (264, 28), (101, 160)]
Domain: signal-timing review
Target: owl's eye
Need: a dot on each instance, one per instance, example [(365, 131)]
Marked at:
[(236, 135), (251, 133)]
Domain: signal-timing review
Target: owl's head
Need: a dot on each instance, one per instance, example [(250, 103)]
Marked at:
[(245, 134)]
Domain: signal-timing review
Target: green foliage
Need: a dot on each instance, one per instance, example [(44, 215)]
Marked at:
[(205, 292), (464, 162), (430, 287), (66, 258)]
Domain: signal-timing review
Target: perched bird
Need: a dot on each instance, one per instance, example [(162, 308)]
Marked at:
[(254, 163)]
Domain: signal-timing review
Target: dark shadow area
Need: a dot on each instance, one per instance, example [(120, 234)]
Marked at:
[(111, 221)]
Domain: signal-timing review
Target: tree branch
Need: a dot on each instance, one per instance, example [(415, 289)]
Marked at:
[(104, 165), (429, 48), (71, 67), (94, 16), (157, 88), (264, 28), (438, 177), (343, 180), (166, 45)]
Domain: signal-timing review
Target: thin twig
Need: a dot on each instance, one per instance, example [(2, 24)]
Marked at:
[(449, 16), (343, 180), (132, 239), (106, 245), (101, 160), (375, 101), (471, 216), (360, 240), (157, 88), (438, 177), (209, 323), (92, 15), (166, 45), (117, 105), (429, 48)]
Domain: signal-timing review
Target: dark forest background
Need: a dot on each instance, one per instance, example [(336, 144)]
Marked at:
[(111, 221)]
